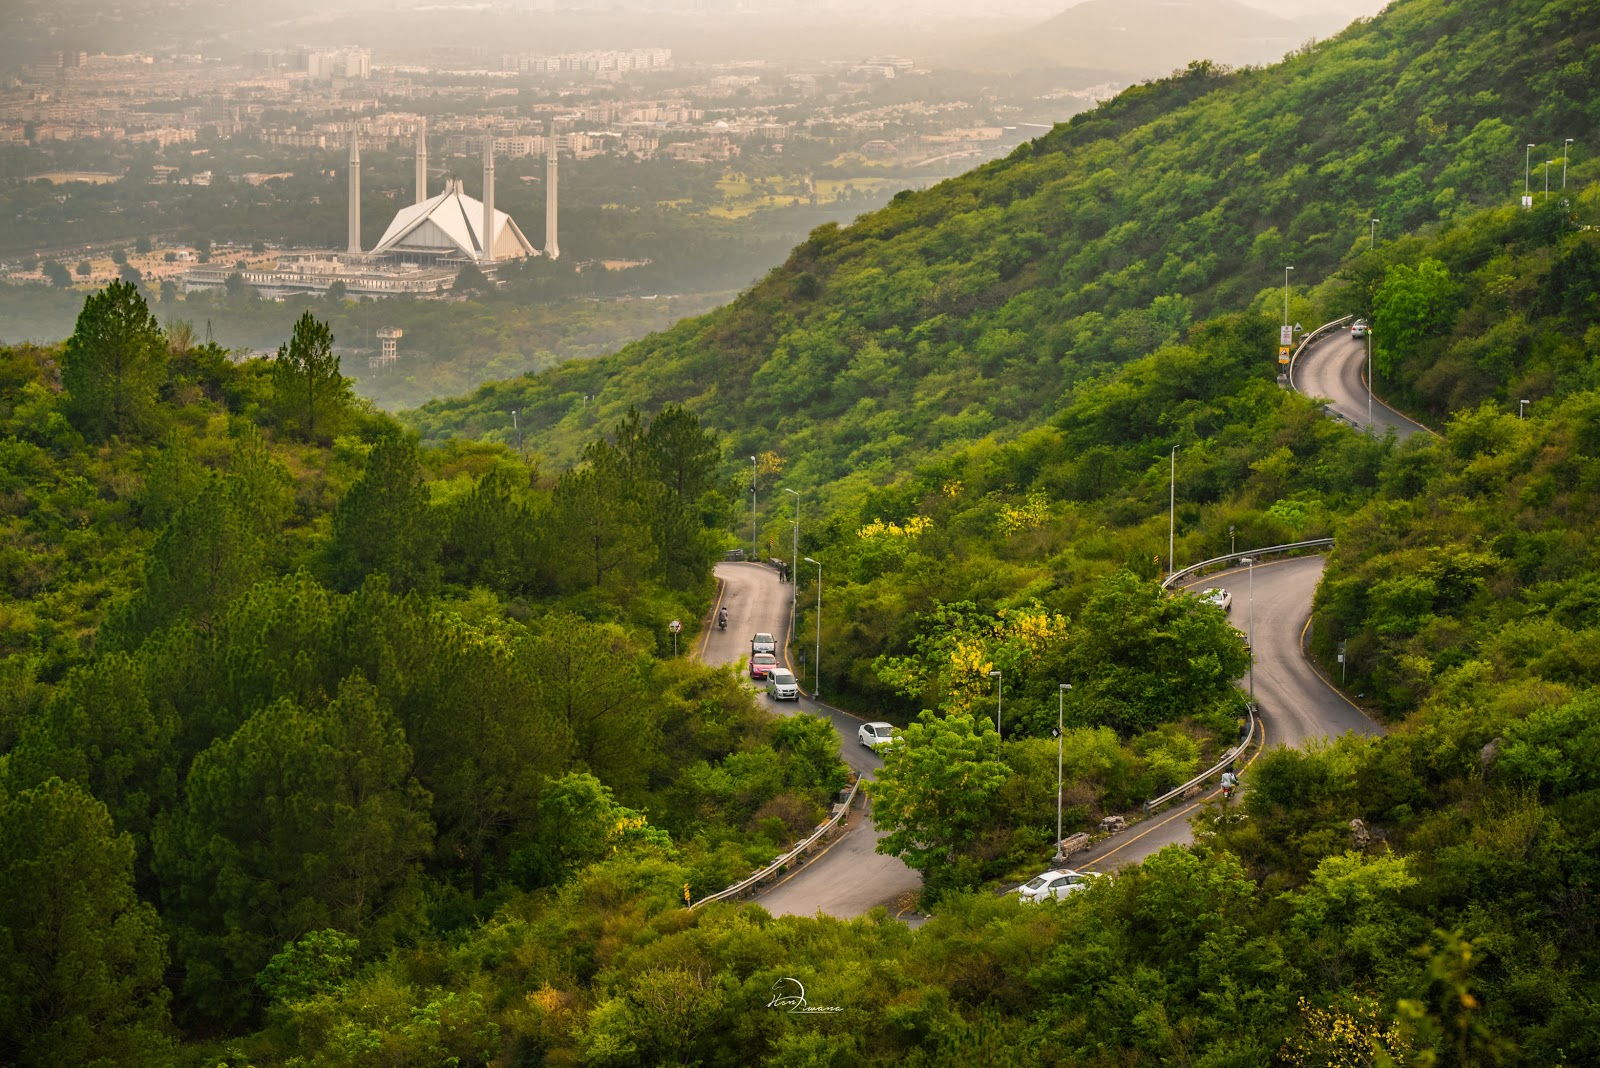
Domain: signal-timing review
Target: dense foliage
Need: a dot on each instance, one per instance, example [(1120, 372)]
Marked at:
[(372, 756), (275, 673)]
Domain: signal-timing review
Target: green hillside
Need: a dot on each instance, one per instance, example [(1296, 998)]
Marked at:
[(974, 308), (322, 747)]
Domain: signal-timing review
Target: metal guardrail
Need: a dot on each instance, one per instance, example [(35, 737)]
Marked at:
[(1306, 341), (1233, 754), (1227, 758), (1288, 547), (772, 869)]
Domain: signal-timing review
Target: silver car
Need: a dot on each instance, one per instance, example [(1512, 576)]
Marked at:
[(782, 686), (763, 643)]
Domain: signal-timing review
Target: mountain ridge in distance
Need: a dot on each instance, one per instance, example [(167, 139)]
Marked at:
[(1144, 38)]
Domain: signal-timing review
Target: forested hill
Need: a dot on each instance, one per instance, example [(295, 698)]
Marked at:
[(973, 308)]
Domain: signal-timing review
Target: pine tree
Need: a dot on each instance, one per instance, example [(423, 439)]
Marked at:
[(113, 364), (310, 394), (303, 820), (81, 957), (385, 523)]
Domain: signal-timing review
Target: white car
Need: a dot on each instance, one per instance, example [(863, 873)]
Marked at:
[(1358, 329), (873, 735), (763, 643), (1057, 884), (1219, 597), (782, 686)]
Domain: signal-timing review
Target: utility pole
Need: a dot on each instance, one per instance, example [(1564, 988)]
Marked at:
[(1061, 730), (1172, 509), (794, 593), (999, 702), (816, 686)]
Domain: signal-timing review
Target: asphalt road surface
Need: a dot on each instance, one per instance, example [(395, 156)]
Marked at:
[(1296, 702), (848, 878), (1333, 368)]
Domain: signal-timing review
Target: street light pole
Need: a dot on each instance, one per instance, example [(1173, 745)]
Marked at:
[(1527, 176), (1521, 404), (1061, 732), (1172, 508), (816, 683), (755, 544), (1370, 428), (999, 702), (1372, 237), (1286, 271), (794, 556), (1250, 562)]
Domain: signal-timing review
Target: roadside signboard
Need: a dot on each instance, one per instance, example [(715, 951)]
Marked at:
[(1286, 335)]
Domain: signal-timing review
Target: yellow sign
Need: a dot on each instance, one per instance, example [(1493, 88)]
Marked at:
[(1283, 354)]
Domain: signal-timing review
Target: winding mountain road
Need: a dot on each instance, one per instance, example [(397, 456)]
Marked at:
[(848, 878), (1297, 702), (1333, 368), (1272, 599)]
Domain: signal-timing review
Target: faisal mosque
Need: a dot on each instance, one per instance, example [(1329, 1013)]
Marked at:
[(423, 249)]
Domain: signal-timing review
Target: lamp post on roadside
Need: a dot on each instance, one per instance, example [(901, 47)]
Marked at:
[(794, 555), (1172, 508), (1527, 177), (1061, 731), (755, 544), (1250, 632), (1370, 428), (1231, 532), (1522, 404), (999, 701), (1372, 237), (816, 683), (1286, 271)]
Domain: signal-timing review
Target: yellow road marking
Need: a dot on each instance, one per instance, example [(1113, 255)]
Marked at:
[(705, 635), (1315, 670)]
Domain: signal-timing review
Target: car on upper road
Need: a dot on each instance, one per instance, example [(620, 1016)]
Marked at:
[(762, 665), (1219, 597), (782, 686), (872, 735), (763, 643), (1057, 883), (1358, 329)]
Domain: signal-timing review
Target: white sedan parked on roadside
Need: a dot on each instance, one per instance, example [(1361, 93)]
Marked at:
[(1057, 884), (872, 735)]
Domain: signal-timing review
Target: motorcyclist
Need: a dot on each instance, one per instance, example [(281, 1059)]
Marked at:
[(722, 618), (1230, 782)]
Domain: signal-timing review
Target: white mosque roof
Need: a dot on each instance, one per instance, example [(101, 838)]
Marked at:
[(452, 222)]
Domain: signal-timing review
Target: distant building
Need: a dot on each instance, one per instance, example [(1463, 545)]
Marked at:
[(449, 228)]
